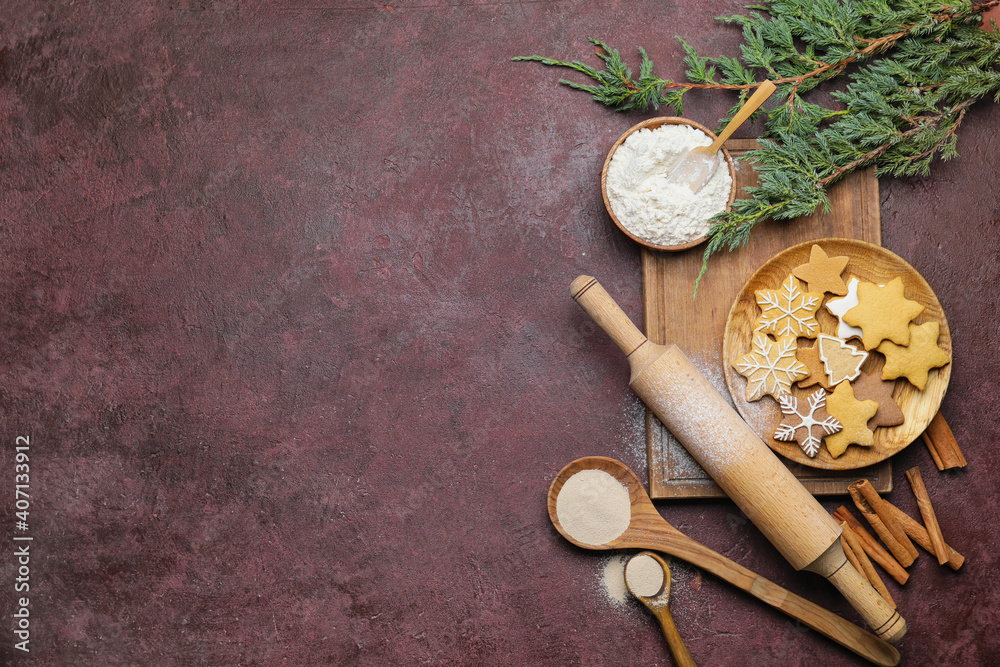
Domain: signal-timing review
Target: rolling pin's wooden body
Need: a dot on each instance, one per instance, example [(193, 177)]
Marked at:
[(737, 459)]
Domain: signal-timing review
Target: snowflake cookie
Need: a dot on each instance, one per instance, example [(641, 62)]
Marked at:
[(770, 367), (807, 425), (788, 310)]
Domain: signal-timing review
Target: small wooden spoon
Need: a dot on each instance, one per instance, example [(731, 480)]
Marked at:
[(700, 163), (659, 604), (648, 530)]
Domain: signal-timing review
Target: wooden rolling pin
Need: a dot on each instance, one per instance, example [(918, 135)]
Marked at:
[(737, 459)]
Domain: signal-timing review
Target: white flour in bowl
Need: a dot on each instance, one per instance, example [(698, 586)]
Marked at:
[(642, 200)]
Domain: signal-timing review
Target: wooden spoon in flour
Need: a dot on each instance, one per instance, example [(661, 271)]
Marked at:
[(697, 166), (612, 511), (647, 577)]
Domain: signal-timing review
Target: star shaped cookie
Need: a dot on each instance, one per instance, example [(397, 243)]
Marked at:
[(788, 311), (916, 359), (822, 273), (883, 313), (770, 367), (853, 416)]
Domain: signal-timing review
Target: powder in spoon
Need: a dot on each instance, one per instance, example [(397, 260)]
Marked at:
[(646, 204), (644, 575), (593, 507)]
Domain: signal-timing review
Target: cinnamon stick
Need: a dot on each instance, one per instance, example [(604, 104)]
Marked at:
[(872, 547), (927, 512), (920, 535), (933, 450), (942, 445), (852, 555), (868, 502), (860, 560)]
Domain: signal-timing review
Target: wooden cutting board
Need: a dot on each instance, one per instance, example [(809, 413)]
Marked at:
[(697, 325)]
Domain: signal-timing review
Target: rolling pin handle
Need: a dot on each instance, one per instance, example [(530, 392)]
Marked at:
[(884, 621), (587, 292)]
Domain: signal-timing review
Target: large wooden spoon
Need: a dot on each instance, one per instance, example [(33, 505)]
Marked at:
[(658, 602), (646, 529)]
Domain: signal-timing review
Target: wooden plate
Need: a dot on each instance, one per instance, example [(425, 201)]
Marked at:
[(869, 263)]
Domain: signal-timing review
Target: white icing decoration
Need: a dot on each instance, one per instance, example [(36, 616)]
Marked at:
[(825, 351), (780, 369), (840, 306), (786, 432), (788, 311)]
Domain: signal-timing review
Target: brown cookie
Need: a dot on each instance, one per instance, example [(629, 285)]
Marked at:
[(871, 387), (809, 356)]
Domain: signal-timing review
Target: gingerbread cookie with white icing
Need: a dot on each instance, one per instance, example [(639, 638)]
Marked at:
[(770, 366), (806, 424), (841, 360), (788, 310)]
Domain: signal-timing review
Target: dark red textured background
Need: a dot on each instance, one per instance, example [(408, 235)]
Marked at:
[(285, 315)]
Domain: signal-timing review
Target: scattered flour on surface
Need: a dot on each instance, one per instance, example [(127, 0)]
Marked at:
[(760, 413), (680, 460), (593, 507), (633, 433), (648, 206), (613, 581)]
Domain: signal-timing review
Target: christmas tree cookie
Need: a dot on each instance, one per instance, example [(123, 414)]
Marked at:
[(840, 306), (870, 386), (841, 361)]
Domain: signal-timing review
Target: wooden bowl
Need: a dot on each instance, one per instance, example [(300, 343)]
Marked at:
[(652, 124), (869, 263)]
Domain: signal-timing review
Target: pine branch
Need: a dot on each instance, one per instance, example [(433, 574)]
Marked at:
[(913, 67)]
